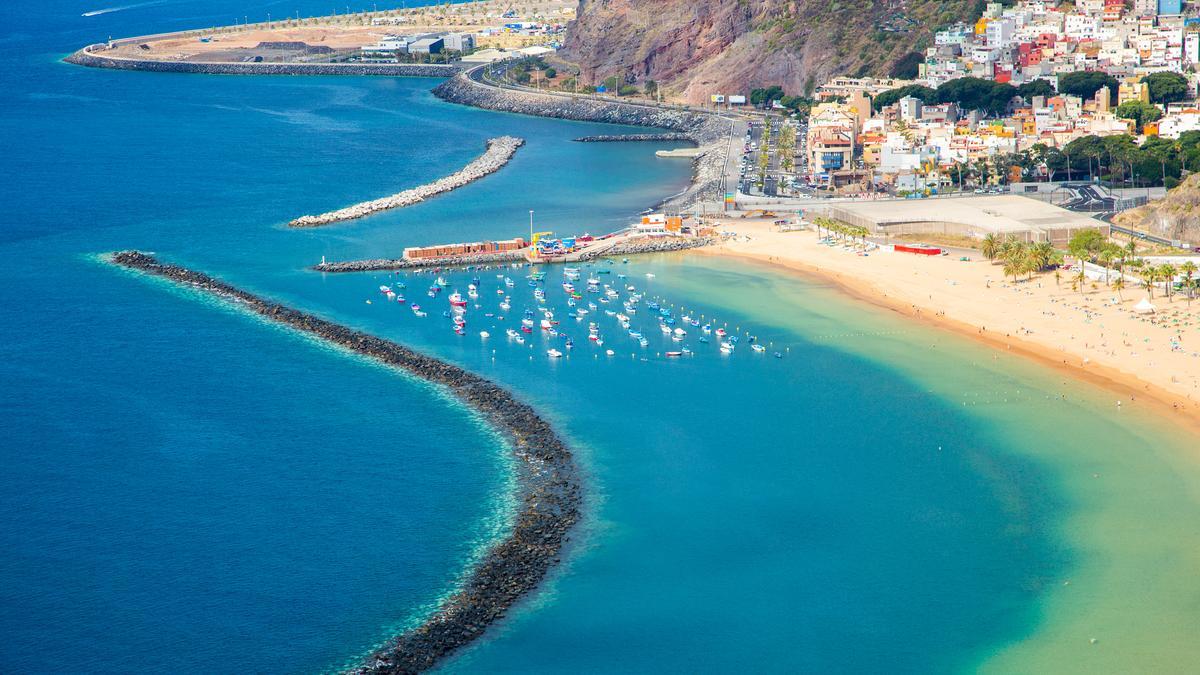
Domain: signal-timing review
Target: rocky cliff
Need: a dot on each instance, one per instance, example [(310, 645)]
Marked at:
[(1175, 216), (699, 47)]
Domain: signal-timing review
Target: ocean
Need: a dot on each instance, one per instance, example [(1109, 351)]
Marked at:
[(185, 487)]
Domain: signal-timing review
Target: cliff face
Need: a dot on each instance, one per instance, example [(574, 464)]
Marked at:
[(701, 47), (1175, 216)]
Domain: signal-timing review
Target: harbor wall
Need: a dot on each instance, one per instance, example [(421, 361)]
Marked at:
[(92, 59), (499, 151), (549, 485), (501, 257), (709, 132), (626, 138)]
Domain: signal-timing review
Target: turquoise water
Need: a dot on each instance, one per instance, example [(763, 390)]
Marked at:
[(185, 486)]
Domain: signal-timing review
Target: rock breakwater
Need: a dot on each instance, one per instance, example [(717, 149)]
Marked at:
[(710, 132), (626, 138), (419, 263), (92, 58), (636, 245), (550, 489), (499, 151)]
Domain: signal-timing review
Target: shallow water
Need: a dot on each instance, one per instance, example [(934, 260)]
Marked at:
[(186, 485)]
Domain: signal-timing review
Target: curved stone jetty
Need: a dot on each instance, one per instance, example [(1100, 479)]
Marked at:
[(550, 492), (499, 151), (625, 138)]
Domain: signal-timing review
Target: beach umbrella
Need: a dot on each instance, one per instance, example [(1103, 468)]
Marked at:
[(1144, 307)]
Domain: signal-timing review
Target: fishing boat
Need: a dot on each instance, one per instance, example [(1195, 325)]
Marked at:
[(665, 328), (520, 340), (546, 324), (441, 282), (368, 302), (758, 348), (456, 300), (505, 305), (499, 291), (652, 305), (385, 289), (707, 328), (643, 342), (554, 353), (484, 334), (472, 291), (609, 352), (400, 299), (726, 346), (509, 282), (720, 332), (511, 333), (680, 332), (526, 329), (569, 344), (686, 351), (635, 335), (703, 339)]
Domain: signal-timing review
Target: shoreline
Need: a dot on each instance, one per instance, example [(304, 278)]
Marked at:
[(497, 155), (710, 133), (549, 492), (1156, 398)]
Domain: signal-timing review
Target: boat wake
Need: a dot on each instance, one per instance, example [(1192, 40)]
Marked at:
[(110, 10)]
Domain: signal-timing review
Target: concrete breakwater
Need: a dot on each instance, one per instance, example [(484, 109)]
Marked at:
[(499, 151), (626, 138), (376, 264), (709, 132), (550, 491), (92, 58)]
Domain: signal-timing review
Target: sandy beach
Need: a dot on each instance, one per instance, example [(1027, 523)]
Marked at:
[(1144, 361)]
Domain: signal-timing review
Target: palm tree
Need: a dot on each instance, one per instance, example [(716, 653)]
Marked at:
[(1118, 284), (1107, 255), (1167, 275), (1149, 275), (1189, 270), (1080, 281), (990, 246)]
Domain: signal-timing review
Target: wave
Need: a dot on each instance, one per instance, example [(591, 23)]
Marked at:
[(110, 10)]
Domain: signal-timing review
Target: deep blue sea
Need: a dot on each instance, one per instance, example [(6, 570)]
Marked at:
[(183, 487)]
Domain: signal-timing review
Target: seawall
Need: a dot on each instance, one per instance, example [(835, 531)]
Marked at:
[(499, 151), (627, 138), (550, 490), (709, 132), (376, 264), (90, 57)]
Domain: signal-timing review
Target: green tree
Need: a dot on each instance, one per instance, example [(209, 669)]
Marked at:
[(1037, 87), (907, 67), (1086, 243), (889, 97), (990, 246), (1086, 83), (550, 73), (974, 93), (1188, 269), (1140, 112), (1167, 87)]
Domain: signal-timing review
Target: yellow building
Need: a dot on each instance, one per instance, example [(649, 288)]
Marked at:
[(1132, 90)]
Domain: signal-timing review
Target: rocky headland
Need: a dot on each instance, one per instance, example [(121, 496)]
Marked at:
[(499, 151), (550, 492)]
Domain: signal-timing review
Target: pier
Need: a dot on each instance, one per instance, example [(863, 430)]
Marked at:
[(499, 151), (549, 486)]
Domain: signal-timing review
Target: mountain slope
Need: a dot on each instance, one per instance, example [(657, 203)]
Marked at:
[(701, 47), (1175, 216)]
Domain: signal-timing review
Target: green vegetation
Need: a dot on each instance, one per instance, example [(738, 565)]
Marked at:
[(1140, 112), (889, 97), (968, 93), (907, 67), (1085, 84), (1119, 159), (1019, 257), (1037, 87), (1166, 87)]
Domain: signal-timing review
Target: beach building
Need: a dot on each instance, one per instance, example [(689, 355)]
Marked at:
[(427, 45), (1022, 217)]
